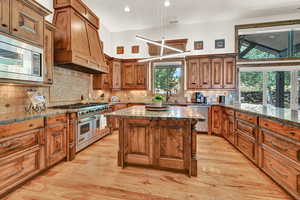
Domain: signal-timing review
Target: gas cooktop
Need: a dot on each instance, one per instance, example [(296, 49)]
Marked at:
[(80, 106)]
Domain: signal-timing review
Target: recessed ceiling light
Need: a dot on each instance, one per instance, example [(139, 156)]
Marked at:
[(167, 3), (127, 9)]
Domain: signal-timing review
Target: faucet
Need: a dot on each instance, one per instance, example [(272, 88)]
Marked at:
[(168, 96)]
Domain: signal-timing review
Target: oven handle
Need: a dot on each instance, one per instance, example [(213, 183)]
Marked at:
[(87, 119)]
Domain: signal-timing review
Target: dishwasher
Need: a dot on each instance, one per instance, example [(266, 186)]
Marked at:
[(202, 126)]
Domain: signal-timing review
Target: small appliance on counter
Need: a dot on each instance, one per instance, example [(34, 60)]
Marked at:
[(221, 99), (200, 98), (115, 99)]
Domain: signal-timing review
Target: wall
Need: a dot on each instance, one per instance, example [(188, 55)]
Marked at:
[(207, 32)]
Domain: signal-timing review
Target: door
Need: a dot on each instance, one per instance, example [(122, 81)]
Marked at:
[(141, 76), (217, 73), (116, 75), (128, 76), (229, 73), (56, 143), (27, 24), (193, 74), (171, 139), (48, 53), (205, 73), (4, 16), (138, 140)]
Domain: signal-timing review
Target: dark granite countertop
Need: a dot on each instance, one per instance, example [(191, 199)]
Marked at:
[(283, 115), (23, 116), (174, 113)]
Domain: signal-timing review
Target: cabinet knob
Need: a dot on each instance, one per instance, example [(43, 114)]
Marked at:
[(4, 25), (15, 29)]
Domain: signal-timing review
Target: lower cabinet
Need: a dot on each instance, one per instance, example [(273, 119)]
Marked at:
[(216, 120), (56, 143), (228, 130), (247, 146)]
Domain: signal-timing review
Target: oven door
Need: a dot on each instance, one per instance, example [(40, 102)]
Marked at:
[(19, 60), (86, 129)]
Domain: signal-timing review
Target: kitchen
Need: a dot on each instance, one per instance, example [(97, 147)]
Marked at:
[(116, 100)]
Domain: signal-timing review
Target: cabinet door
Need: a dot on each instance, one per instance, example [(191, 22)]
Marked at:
[(141, 76), (116, 75), (27, 24), (56, 143), (216, 119), (138, 140), (247, 146), (205, 73), (4, 16), (229, 73), (106, 78), (231, 130), (217, 73), (193, 74), (171, 144), (128, 76), (48, 53)]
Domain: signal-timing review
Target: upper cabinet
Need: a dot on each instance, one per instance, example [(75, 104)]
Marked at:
[(4, 16), (77, 42), (48, 52), (211, 72), (24, 20), (134, 75)]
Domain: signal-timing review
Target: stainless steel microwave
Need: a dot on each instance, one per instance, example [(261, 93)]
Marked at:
[(20, 61)]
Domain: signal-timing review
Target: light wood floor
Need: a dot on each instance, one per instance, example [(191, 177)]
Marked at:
[(223, 174)]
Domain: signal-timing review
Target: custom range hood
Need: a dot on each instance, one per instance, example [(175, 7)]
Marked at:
[(77, 42)]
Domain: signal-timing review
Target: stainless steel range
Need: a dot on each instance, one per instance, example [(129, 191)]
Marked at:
[(91, 122)]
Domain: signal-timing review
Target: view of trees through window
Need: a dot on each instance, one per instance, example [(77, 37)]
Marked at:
[(168, 78), (251, 87)]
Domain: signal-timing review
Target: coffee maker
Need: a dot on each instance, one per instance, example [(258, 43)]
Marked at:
[(200, 98)]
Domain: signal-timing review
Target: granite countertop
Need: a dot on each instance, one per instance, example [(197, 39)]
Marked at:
[(284, 115), (174, 113), (23, 116)]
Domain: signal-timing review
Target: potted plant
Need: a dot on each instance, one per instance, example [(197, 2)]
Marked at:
[(157, 100)]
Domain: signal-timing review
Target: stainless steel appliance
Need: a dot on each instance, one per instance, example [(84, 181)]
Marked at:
[(91, 122), (20, 61), (221, 99), (200, 98)]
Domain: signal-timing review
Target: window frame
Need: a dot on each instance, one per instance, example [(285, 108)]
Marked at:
[(294, 104), (182, 78)]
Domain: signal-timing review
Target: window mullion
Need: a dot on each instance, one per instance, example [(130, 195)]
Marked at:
[(265, 88)]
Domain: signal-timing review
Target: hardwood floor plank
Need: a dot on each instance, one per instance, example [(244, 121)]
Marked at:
[(223, 174)]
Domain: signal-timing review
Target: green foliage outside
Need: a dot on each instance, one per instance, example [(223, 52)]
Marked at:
[(167, 79)]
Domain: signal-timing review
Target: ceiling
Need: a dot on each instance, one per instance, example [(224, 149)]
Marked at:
[(148, 13)]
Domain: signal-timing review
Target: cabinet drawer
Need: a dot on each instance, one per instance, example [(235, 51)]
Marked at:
[(18, 127), (247, 129), (119, 107), (281, 145), (57, 119), (247, 117), (282, 129), (18, 168), (20, 142), (282, 171), (247, 146)]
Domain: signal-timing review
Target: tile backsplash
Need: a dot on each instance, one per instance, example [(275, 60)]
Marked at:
[(68, 87)]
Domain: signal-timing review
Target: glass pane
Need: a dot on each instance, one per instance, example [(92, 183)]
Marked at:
[(296, 43), (251, 87), (264, 45), (279, 89), (167, 79), (298, 89), (10, 58)]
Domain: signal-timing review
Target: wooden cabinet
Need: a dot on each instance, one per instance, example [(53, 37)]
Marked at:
[(193, 74), (4, 16), (116, 75), (27, 23), (228, 125), (48, 52), (211, 72), (247, 146), (134, 76), (77, 42), (103, 81), (217, 73), (216, 120)]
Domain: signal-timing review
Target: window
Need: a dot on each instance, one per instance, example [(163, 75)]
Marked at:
[(277, 86), (168, 77)]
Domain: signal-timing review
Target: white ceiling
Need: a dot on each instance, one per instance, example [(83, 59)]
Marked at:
[(147, 13)]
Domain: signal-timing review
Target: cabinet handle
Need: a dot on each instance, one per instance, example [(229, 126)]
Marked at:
[(278, 172), (292, 133), (4, 25), (56, 134), (15, 29), (30, 125)]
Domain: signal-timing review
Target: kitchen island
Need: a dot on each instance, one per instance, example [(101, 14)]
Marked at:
[(161, 140)]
